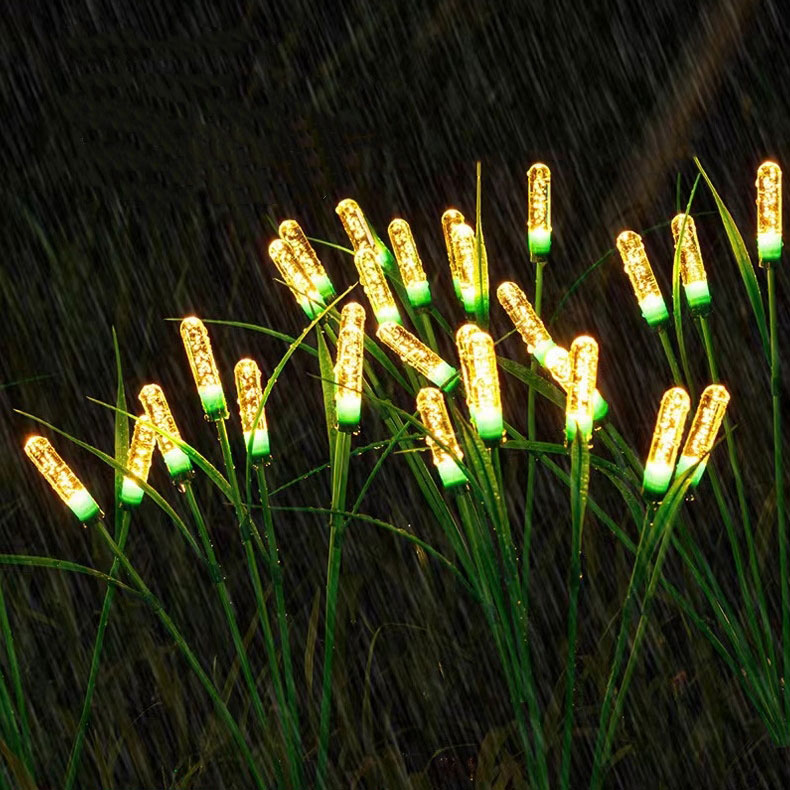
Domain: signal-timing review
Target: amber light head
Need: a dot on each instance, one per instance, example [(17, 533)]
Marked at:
[(291, 232), (416, 354), (450, 219), (579, 404), (525, 319), (204, 368), (441, 438), (692, 271), (168, 438), (539, 210), (769, 211), (643, 281), (251, 412), (301, 286), (141, 451), (462, 238), (409, 264), (348, 366), (62, 479), (702, 434), (670, 424), (558, 363), (481, 381), (376, 287)]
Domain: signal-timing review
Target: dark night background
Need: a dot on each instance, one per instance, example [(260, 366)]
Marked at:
[(145, 148)]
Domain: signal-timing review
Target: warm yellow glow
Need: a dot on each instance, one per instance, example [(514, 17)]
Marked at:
[(204, 368), (667, 435), (442, 442), (462, 238), (355, 224), (141, 449), (249, 395), (349, 364), (415, 353), (450, 219), (371, 275), (580, 403), (525, 319), (481, 380), (707, 420), (304, 290), (640, 273), (158, 412), (769, 211), (409, 263), (60, 476), (539, 183), (691, 268), (292, 233)]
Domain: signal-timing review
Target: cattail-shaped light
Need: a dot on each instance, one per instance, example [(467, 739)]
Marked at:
[(59, 475), (409, 264), (664, 448), (450, 219), (525, 319), (579, 409), (291, 232), (481, 380), (702, 434), (769, 211), (377, 289), (462, 238), (139, 461), (302, 287), (348, 366), (158, 412), (442, 443), (558, 363), (204, 368), (692, 271), (539, 210), (415, 353), (355, 224), (249, 394), (643, 281)]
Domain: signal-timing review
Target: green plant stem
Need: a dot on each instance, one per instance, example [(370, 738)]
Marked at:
[(227, 607), (671, 358), (768, 652), (76, 749), (776, 386), (423, 321), (191, 658), (286, 712), (622, 638), (337, 526), (16, 681), (580, 472), (531, 460), (282, 621)]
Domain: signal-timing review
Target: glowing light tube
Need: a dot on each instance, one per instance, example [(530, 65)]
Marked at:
[(539, 210), (525, 319), (481, 380), (291, 232), (409, 264), (692, 271), (670, 423), (249, 395), (704, 427), (769, 211), (558, 363), (450, 219), (583, 360), (416, 354), (643, 281), (60, 476), (371, 275), (204, 368), (305, 292), (434, 416), (141, 451), (348, 366), (463, 241), (158, 412)]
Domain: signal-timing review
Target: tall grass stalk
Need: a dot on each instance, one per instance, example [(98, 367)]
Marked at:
[(336, 530), (779, 493), (580, 482), (124, 517)]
